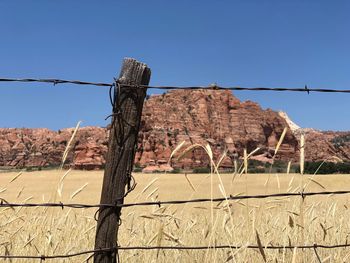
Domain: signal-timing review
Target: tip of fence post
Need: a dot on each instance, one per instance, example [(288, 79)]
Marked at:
[(135, 66), (134, 60)]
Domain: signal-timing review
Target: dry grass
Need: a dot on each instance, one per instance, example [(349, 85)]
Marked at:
[(271, 221)]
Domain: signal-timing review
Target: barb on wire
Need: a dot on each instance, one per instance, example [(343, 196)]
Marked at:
[(113, 249), (4, 203)]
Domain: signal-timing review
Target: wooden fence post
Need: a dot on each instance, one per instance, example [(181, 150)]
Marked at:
[(126, 118)]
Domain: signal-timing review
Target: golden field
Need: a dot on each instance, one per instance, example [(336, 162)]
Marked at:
[(278, 221)]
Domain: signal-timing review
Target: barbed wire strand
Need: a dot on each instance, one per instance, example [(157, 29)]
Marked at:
[(4, 203), (214, 87), (58, 81), (109, 250), (210, 87), (44, 257), (233, 246)]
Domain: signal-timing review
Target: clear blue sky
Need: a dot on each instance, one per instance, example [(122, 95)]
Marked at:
[(247, 43)]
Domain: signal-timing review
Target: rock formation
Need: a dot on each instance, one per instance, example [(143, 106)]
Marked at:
[(44, 148), (329, 146), (205, 117)]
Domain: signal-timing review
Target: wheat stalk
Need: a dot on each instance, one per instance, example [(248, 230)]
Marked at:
[(302, 153), (75, 193), (66, 151)]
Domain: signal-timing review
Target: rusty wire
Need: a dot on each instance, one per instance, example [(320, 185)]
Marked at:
[(113, 249), (45, 257), (4, 203), (233, 246)]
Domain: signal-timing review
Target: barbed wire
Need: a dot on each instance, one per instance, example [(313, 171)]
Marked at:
[(44, 257), (210, 87), (215, 87), (58, 81), (233, 246), (4, 203), (113, 249)]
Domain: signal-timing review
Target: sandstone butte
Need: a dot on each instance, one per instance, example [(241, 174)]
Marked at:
[(211, 117)]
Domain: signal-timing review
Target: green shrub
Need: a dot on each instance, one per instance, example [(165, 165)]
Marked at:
[(280, 164), (137, 169), (325, 168), (256, 170), (176, 171), (341, 140), (201, 170)]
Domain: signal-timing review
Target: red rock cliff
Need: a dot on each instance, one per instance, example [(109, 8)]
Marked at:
[(206, 116), (198, 116)]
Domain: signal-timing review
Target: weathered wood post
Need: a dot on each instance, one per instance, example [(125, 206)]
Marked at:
[(126, 118)]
